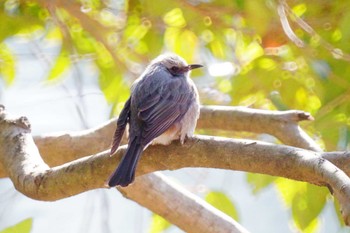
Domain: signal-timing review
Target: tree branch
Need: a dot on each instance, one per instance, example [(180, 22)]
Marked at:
[(184, 203), (61, 147), (181, 202), (32, 176), (281, 124), (284, 10)]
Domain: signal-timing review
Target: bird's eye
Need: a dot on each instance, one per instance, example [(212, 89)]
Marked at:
[(174, 69)]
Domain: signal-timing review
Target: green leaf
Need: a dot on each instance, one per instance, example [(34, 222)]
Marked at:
[(175, 18), (155, 43), (218, 48), (23, 23), (305, 200), (225, 85), (300, 9), (240, 4), (258, 181), (220, 201), (312, 227), (112, 85), (186, 45), (7, 64), (258, 15), (158, 224), (251, 52), (22, 227), (288, 189), (62, 63), (307, 206)]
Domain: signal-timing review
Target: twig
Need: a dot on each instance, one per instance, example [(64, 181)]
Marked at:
[(286, 27), (284, 7)]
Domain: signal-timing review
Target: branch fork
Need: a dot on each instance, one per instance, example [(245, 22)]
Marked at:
[(23, 163)]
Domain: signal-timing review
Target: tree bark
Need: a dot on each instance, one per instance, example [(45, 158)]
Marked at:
[(34, 178), (199, 217)]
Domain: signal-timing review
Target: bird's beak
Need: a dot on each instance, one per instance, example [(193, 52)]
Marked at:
[(194, 66)]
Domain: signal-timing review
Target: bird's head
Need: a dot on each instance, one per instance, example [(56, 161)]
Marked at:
[(175, 64)]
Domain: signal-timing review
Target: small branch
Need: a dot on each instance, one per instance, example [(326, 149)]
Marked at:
[(92, 26), (281, 124), (61, 147), (286, 27), (283, 7)]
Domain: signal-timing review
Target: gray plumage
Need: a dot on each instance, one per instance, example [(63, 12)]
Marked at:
[(163, 106)]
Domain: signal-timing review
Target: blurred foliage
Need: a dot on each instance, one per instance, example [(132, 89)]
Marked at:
[(259, 182), (158, 224), (22, 227), (221, 201), (305, 200), (7, 66), (267, 54)]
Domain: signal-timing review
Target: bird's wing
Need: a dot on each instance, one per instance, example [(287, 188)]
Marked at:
[(159, 108), (121, 124)]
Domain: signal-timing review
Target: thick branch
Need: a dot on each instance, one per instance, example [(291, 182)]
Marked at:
[(59, 148), (184, 203), (33, 178)]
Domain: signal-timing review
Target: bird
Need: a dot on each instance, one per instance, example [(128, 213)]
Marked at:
[(163, 106)]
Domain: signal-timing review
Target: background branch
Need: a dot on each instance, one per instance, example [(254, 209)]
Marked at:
[(178, 205), (284, 8)]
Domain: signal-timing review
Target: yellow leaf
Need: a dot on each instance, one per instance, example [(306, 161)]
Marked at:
[(175, 18), (22, 227)]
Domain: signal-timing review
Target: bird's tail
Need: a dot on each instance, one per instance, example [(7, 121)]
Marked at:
[(125, 173)]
